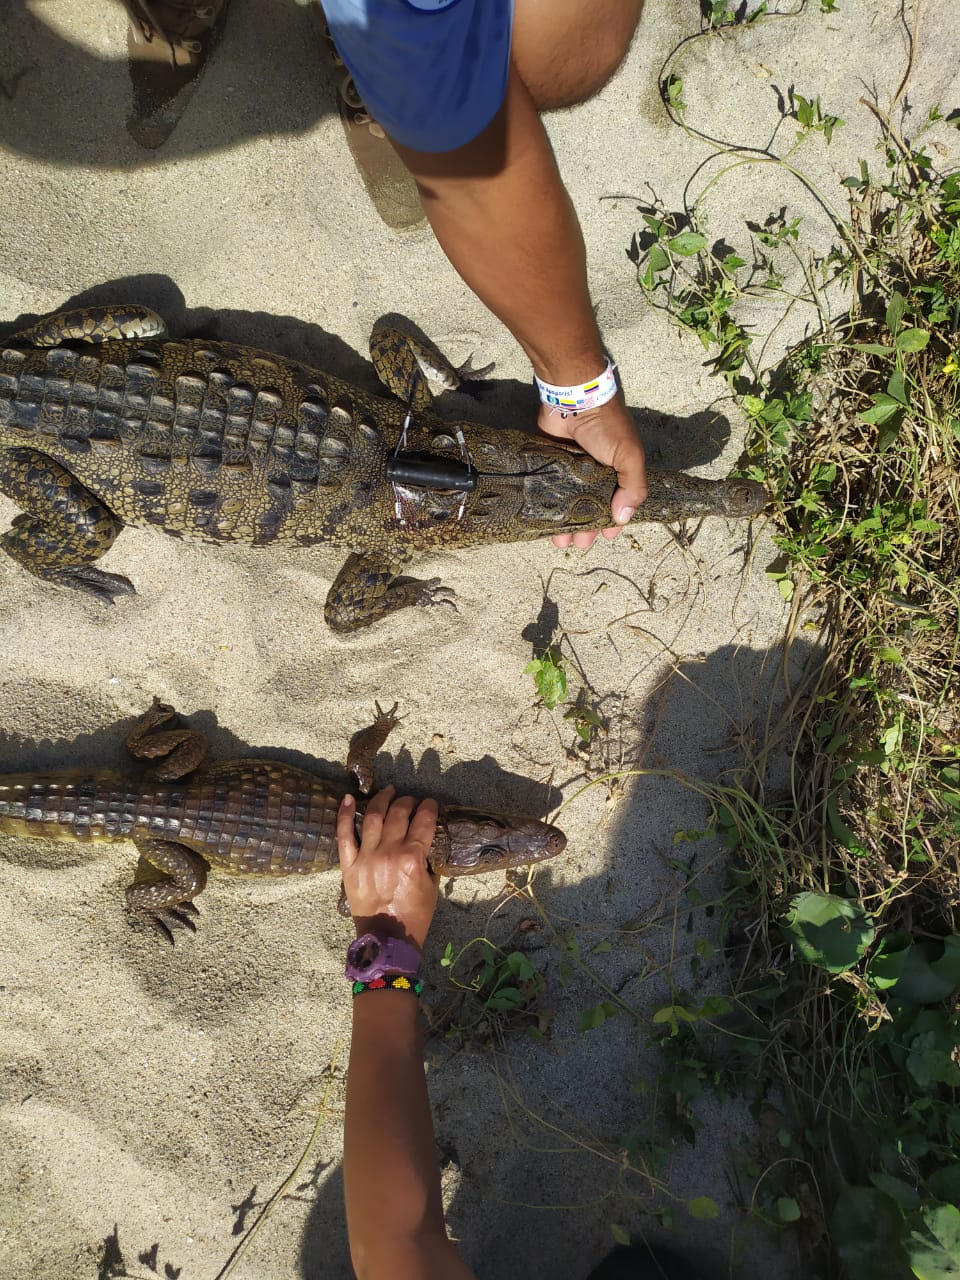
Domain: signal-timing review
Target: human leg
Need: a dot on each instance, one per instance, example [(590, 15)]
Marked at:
[(567, 50)]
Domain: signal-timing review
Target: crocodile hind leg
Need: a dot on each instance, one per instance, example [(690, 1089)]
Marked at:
[(184, 748), (63, 529), (168, 877), (407, 367), (92, 324), (367, 589)]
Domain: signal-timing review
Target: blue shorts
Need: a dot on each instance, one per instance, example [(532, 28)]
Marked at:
[(434, 77)]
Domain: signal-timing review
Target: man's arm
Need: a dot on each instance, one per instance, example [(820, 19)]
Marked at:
[(390, 1173), (503, 217)]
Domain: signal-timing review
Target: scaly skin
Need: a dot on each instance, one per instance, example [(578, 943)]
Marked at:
[(211, 441), (246, 817)]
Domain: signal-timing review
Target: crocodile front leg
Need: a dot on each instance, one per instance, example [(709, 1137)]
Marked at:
[(367, 589), (365, 744), (168, 877), (64, 528), (184, 748), (92, 324)]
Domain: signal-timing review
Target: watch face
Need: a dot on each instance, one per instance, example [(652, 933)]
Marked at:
[(431, 6)]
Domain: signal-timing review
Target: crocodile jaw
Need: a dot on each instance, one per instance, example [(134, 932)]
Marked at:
[(472, 842)]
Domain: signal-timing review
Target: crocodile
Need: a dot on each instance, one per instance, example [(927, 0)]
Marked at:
[(246, 817), (106, 421)]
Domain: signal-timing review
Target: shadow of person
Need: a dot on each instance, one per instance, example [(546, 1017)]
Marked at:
[(549, 1133), (63, 103)]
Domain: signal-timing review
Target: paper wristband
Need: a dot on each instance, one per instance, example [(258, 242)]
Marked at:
[(576, 399)]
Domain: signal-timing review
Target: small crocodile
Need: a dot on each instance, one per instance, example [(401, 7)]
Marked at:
[(247, 817), (104, 421)]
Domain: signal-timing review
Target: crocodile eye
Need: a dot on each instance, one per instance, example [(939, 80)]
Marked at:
[(491, 853)]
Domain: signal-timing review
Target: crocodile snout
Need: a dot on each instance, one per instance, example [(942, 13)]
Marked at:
[(556, 842)]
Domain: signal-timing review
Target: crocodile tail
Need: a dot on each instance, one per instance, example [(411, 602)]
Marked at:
[(67, 806)]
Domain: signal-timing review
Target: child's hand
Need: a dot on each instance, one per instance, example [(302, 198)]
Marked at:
[(386, 880)]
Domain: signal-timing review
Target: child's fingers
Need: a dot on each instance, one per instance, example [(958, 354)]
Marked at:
[(346, 835)]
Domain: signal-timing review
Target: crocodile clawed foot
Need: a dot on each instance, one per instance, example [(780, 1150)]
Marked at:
[(473, 380), (170, 918), (387, 719), (434, 592), (104, 586)]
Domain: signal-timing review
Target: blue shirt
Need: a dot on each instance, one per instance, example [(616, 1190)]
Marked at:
[(433, 77)]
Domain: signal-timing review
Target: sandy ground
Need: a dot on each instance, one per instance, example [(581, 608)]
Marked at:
[(153, 1098)]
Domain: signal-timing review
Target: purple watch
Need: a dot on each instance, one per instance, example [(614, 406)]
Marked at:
[(373, 956)]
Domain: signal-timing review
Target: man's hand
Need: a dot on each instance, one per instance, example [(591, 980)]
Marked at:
[(386, 879), (609, 435)]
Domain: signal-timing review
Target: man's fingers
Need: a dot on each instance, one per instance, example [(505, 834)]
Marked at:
[(397, 821), (346, 836), (373, 818), (423, 826), (632, 486)]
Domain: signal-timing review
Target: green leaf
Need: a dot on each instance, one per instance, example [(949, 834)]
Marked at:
[(872, 348), (931, 972), (619, 1235), (518, 964), (787, 1209), (703, 1207), (753, 405), (897, 388), (597, 1016), (504, 999), (899, 1191), (934, 1251), (866, 1226), (550, 679), (887, 654), (895, 310), (912, 340), (674, 1013), (884, 407), (831, 932), (944, 1184), (889, 433), (687, 243), (887, 963), (658, 258), (837, 825)]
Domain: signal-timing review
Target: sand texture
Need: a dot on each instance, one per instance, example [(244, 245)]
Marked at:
[(154, 1097)]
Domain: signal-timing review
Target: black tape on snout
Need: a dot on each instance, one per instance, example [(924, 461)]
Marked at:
[(428, 471)]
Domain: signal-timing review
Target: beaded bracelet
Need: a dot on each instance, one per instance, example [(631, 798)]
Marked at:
[(390, 982)]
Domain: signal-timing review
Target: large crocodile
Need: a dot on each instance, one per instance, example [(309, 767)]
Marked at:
[(248, 817), (104, 421)]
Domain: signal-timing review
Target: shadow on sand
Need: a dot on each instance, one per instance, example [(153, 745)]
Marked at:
[(673, 442)]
